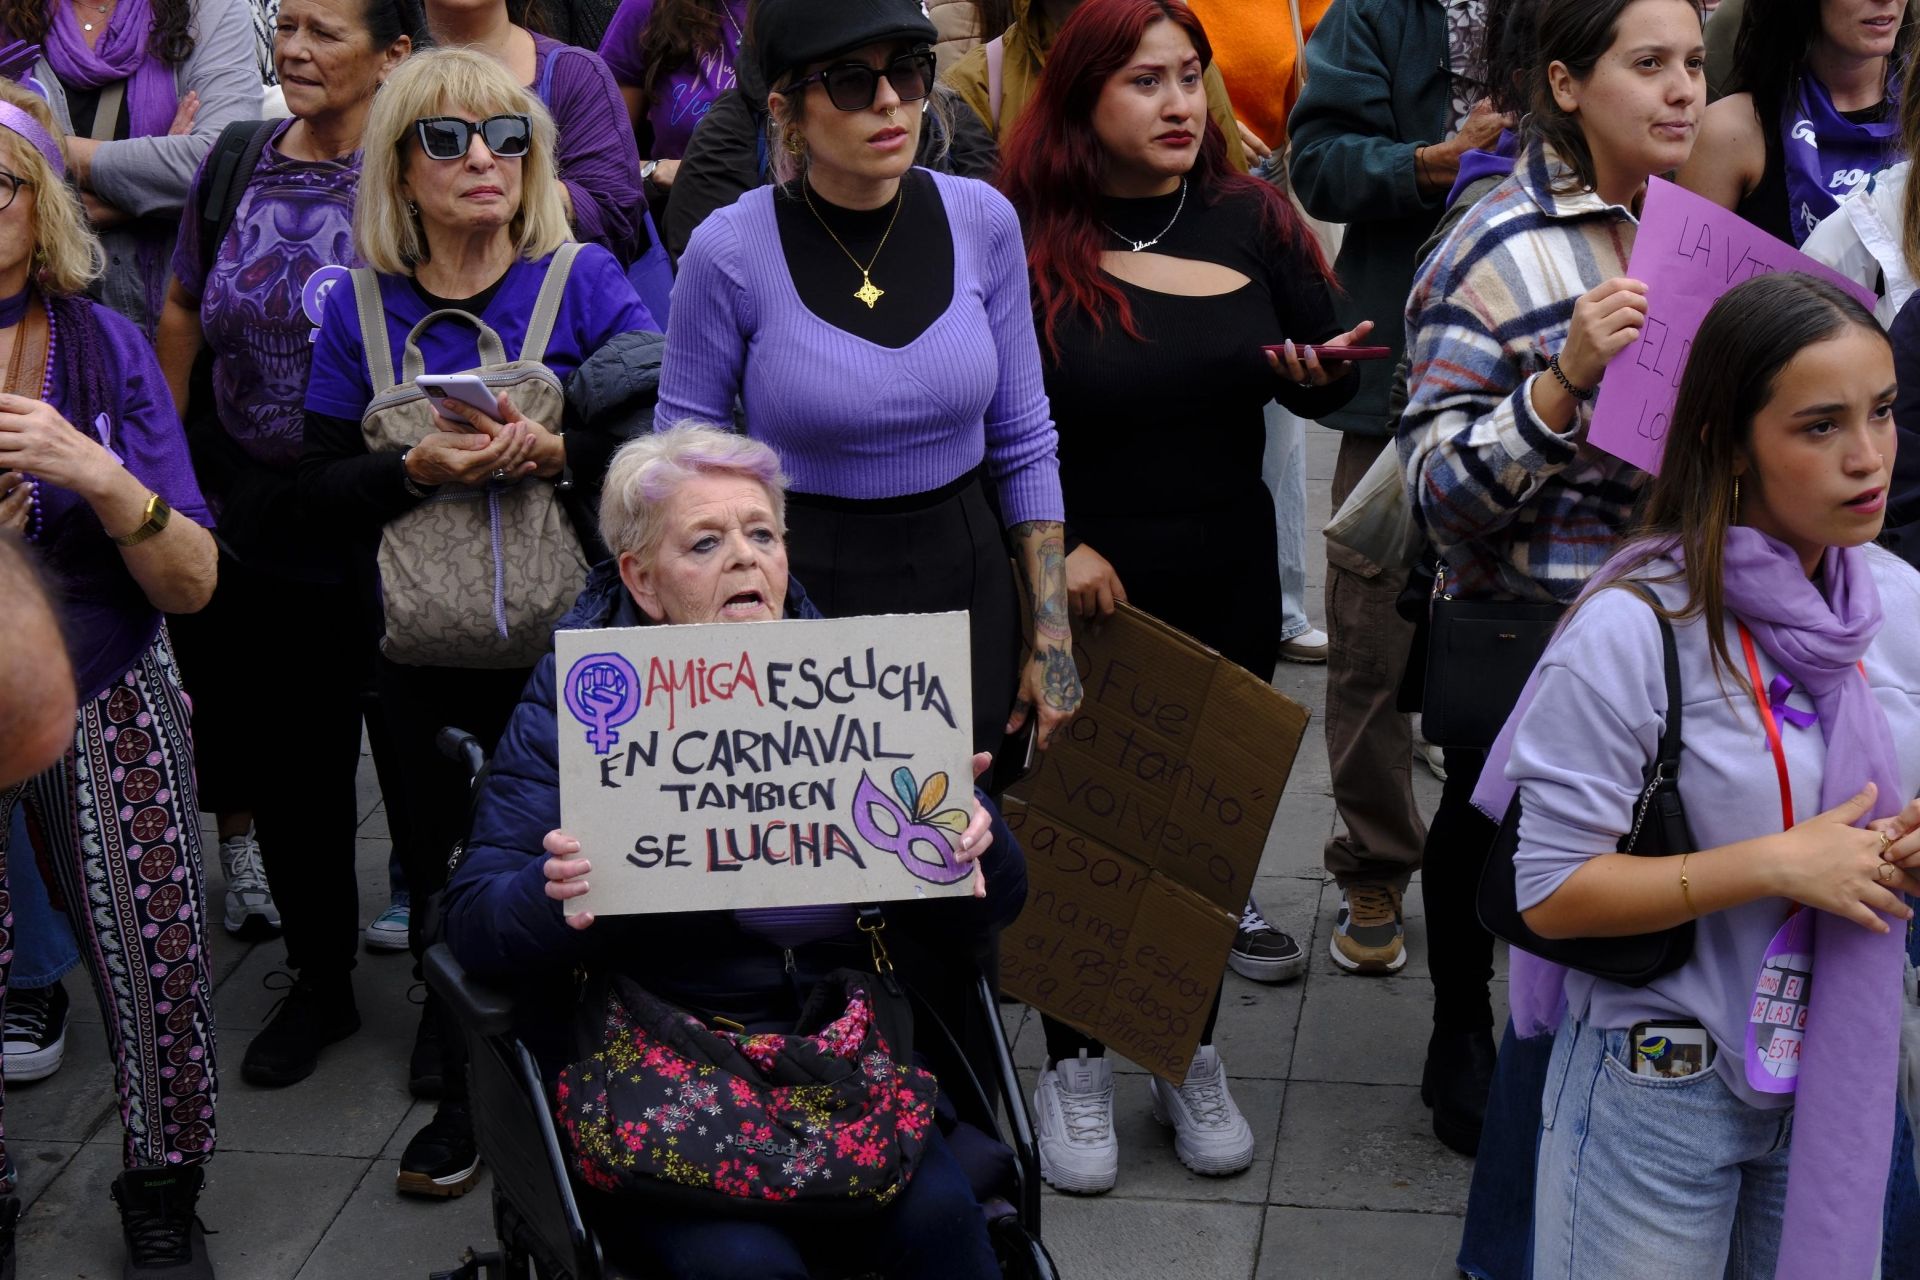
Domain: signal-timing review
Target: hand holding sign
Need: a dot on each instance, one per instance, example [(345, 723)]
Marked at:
[(1606, 321)]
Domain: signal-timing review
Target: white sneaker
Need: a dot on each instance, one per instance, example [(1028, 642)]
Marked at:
[(1309, 647), (1210, 1135), (389, 931), (249, 902), (35, 1037), (1074, 1123)]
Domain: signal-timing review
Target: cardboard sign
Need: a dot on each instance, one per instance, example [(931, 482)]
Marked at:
[(767, 764), (1143, 828), (1689, 252)]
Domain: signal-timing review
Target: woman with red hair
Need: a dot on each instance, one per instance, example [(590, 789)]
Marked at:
[(1159, 276)]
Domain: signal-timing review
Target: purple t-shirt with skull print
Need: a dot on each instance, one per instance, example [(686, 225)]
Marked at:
[(262, 297)]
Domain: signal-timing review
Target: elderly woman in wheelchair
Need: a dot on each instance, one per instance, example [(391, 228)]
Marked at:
[(695, 517)]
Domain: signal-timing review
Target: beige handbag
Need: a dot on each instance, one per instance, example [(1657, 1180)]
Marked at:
[(472, 577), (1374, 532)]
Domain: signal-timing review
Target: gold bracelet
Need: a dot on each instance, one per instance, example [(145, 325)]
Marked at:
[(1686, 888)]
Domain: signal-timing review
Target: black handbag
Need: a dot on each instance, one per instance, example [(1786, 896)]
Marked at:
[(1659, 830), (1479, 655)]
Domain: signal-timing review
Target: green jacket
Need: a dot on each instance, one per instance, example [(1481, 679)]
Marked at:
[(1377, 87)]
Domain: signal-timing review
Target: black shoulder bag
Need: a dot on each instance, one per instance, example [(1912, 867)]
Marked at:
[(1659, 830)]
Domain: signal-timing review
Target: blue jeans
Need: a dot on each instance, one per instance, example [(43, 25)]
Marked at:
[(1284, 468), (1497, 1240), (935, 1231), (43, 946), (1658, 1179)]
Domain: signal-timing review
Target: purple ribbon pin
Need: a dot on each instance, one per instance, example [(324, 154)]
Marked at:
[(1777, 694)]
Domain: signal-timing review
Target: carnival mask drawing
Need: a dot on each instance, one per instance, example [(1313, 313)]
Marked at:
[(913, 827)]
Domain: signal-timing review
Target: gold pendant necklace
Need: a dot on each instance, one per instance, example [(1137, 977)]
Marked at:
[(868, 292)]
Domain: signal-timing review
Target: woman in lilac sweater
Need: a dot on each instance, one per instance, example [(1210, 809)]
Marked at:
[(1736, 1113), (599, 164), (872, 317)]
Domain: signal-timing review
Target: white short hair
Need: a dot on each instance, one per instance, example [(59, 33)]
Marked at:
[(646, 472)]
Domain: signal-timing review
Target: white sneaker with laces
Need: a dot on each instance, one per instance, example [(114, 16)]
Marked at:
[(249, 902), (1210, 1135), (1074, 1124), (389, 931)]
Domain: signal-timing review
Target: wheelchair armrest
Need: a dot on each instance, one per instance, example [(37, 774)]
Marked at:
[(476, 1005)]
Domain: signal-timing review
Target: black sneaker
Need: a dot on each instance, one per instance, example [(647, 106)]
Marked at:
[(9, 1222), (426, 1068), (1263, 953), (441, 1160), (307, 1019), (36, 1032), (165, 1239)]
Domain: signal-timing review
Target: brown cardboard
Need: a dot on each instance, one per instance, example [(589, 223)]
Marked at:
[(1143, 828)]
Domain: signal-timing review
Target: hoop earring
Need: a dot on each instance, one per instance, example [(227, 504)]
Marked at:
[(795, 144)]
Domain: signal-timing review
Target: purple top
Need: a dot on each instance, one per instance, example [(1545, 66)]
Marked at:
[(1578, 756), (597, 304), (851, 419), (681, 96), (109, 622), (598, 161), (261, 298)]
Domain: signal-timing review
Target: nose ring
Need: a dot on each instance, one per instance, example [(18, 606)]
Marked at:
[(891, 113)]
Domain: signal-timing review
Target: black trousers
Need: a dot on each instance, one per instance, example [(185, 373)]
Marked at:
[(418, 702), (925, 553), (1459, 949), (276, 670)]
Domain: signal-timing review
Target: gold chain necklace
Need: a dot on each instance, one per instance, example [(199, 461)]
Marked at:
[(868, 292)]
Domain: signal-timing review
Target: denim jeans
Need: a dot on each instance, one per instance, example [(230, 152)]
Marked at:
[(1496, 1242), (43, 946), (1284, 468), (1657, 1179)]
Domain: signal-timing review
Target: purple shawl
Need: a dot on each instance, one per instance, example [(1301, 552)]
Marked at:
[(1844, 1105), (121, 54)]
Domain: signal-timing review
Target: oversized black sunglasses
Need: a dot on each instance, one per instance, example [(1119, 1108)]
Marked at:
[(851, 86), (448, 137)]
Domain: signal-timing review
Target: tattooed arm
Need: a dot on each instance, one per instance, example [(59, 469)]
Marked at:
[(1048, 680)]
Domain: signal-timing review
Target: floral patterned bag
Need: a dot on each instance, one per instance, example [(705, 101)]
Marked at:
[(829, 1114)]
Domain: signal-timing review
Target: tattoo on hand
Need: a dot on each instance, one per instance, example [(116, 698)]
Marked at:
[(1045, 543), (1059, 679)]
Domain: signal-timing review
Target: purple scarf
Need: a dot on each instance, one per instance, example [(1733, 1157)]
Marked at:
[(121, 54), (1827, 155), (1844, 1105)]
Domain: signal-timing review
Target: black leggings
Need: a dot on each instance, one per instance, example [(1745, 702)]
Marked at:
[(1459, 948)]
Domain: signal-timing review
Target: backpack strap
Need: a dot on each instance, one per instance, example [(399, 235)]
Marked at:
[(229, 164), (996, 77), (546, 307), (373, 329)]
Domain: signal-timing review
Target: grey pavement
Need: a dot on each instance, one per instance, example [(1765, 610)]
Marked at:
[(1348, 1180)]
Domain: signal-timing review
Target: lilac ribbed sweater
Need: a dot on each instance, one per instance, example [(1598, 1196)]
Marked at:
[(851, 419)]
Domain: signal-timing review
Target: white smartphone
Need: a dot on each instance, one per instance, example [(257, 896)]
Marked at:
[(467, 388), (1667, 1050)]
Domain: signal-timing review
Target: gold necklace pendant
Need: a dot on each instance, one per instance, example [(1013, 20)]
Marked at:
[(868, 292)]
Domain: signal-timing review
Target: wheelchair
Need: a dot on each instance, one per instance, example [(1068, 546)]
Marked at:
[(540, 1229)]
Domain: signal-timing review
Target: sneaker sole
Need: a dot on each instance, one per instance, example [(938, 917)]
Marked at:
[(1091, 1185), (1216, 1167), (451, 1187), (1372, 968), (385, 942), (1320, 661), (1255, 970), (23, 1068)]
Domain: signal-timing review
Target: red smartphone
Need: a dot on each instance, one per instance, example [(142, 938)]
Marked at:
[(1328, 353)]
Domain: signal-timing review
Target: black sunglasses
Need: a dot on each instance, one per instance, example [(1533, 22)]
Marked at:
[(851, 86), (448, 137)]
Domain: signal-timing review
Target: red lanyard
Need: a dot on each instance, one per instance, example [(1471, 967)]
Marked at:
[(1773, 727)]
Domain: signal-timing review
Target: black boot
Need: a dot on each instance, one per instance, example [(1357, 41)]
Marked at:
[(441, 1159), (1455, 1083), (9, 1222), (313, 1014), (164, 1236)]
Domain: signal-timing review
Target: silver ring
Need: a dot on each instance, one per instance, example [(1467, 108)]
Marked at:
[(501, 475)]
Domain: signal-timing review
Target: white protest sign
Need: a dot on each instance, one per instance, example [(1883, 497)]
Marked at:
[(767, 764)]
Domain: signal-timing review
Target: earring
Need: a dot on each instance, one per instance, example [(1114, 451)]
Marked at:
[(795, 144), (1736, 497), (413, 210)]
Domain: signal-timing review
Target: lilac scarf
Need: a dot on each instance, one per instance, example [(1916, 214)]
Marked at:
[(1844, 1105), (121, 54), (1828, 155)]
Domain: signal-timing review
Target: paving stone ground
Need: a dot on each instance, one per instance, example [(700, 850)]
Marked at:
[(1348, 1180)]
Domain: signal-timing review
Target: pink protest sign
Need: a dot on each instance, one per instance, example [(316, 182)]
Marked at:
[(1689, 251)]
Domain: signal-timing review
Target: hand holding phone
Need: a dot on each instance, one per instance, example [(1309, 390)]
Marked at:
[(466, 388), (1328, 351)]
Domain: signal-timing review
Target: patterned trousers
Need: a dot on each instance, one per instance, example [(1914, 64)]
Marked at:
[(118, 823)]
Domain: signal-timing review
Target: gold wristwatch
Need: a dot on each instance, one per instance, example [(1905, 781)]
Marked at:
[(157, 512)]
